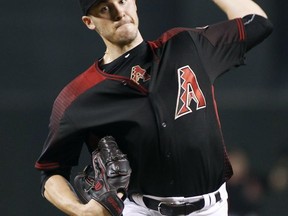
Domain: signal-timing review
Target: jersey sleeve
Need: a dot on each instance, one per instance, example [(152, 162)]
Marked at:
[(221, 46), (64, 142), (257, 29)]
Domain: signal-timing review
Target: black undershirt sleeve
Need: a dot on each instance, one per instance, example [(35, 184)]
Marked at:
[(257, 29)]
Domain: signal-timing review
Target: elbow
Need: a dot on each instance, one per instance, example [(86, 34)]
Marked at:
[(44, 185), (257, 29), (269, 27)]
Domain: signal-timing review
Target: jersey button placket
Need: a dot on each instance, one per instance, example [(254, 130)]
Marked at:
[(168, 155), (169, 158)]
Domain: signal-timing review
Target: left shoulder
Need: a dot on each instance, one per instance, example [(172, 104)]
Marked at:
[(168, 35)]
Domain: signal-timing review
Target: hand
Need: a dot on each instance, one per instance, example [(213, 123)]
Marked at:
[(107, 179), (93, 208)]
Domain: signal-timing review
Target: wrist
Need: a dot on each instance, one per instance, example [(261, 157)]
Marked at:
[(89, 209), (77, 209)]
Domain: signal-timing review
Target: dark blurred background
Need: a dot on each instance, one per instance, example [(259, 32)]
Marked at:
[(44, 45)]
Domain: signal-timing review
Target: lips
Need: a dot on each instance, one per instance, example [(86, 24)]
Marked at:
[(122, 22)]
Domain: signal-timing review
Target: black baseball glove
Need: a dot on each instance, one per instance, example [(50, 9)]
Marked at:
[(109, 174)]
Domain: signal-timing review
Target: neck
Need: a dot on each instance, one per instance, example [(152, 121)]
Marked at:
[(114, 51)]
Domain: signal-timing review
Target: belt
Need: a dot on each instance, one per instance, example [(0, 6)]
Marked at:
[(172, 209)]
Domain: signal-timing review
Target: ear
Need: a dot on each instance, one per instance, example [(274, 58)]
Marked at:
[(88, 22)]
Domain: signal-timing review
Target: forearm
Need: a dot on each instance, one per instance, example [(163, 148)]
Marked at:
[(58, 192), (239, 8)]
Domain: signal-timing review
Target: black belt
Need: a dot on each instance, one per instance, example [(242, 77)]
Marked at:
[(171, 209)]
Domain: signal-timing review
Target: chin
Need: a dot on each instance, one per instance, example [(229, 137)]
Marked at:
[(127, 37)]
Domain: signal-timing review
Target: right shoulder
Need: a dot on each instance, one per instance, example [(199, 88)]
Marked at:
[(82, 82), (87, 79)]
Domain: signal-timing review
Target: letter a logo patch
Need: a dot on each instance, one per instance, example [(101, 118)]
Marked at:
[(188, 91)]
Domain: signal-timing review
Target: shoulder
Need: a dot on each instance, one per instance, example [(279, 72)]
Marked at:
[(76, 87), (167, 36), (81, 83), (177, 33)]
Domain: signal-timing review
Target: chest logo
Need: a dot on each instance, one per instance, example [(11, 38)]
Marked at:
[(138, 73), (188, 91)]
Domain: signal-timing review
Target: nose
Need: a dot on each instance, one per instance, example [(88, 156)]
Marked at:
[(118, 12)]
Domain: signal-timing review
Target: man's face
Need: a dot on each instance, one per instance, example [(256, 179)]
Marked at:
[(115, 20)]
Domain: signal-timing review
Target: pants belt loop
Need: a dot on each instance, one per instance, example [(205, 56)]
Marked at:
[(223, 192), (206, 201), (138, 198), (212, 198)]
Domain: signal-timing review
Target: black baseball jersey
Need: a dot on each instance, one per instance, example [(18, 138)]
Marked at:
[(158, 101)]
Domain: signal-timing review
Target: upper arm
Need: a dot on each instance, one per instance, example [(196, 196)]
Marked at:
[(257, 29), (239, 8), (222, 46)]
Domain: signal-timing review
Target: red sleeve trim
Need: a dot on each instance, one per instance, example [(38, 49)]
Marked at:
[(241, 29), (47, 166)]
